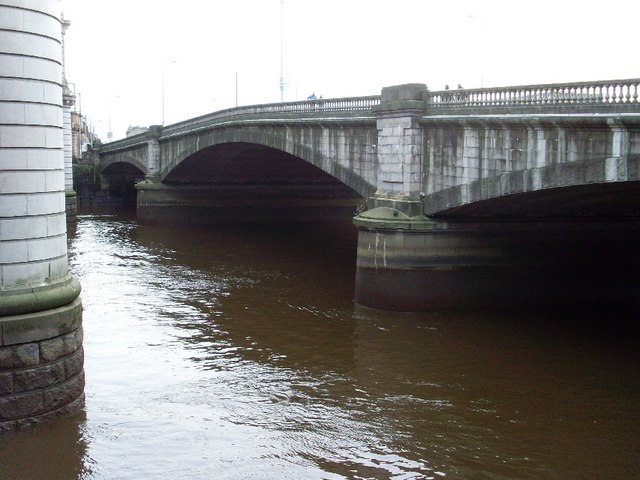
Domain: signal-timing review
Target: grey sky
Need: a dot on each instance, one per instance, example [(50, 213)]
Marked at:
[(118, 50)]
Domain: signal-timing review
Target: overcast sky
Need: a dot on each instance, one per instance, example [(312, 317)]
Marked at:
[(118, 52)]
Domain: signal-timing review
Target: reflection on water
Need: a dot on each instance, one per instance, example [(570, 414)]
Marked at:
[(238, 353)]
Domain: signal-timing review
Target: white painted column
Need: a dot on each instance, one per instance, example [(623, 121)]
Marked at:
[(68, 100), (68, 147), (32, 201), (39, 303)]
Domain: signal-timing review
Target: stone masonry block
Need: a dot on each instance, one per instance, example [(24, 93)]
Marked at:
[(39, 377), (26, 355), (69, 341), (46, 203), (13, 407), (6, 383), (64, 393), (56, 224), (22, 228), (6, 358), (13, 205), (51, 350), (73, 364), (40, 159), (47, 248), (14, 251)]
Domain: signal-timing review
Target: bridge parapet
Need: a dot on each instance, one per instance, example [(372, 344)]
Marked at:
[(341, 108), (475, 196), (419, 142), (610, 96), (598, 97), (355, 107)]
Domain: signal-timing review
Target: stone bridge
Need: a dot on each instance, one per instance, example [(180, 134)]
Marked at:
[(456, 190)]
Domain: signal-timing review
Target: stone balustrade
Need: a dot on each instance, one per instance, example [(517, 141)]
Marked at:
[(596, 97), (584, 93)]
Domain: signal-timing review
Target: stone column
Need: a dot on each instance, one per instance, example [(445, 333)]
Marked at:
[(41, 357), (153, 146), (68, 100), (616, 164), (400, 148)]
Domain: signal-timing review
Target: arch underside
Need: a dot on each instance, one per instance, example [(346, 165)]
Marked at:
[(247, 164), (119, 178), (118, 160), (594, 200), (605, 187), (244, 182)]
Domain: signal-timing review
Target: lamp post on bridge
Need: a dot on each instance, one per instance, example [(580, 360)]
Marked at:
[(481, 43), (163, 87), (110, 131)]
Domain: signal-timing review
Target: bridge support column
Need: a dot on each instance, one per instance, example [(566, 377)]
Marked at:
[(400, 148), (41, 356), (71, 199), (417, 264), (153, 158)]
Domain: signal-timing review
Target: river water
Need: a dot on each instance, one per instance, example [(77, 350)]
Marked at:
[(237, 353)]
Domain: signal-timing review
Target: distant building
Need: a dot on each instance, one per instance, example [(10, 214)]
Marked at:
[(136, 130), (82, 138)]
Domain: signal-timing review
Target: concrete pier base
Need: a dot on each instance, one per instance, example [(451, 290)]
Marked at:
[(71, 205), (416, 264), (41, 354)]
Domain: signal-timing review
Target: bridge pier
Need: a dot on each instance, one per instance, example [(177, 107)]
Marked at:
[(408, 261), (41, 356), (418, 264)]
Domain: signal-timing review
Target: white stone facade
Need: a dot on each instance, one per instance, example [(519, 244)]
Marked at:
[(32, 182)]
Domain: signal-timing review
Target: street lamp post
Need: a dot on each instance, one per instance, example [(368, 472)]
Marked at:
[(163, 87), (281, 53), (110, 132), (481, 44)]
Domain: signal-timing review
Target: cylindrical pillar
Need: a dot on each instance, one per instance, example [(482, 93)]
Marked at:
[(41, 357)]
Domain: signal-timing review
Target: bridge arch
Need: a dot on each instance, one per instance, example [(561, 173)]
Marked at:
[(331, 151), (118, 178), (136, 159)]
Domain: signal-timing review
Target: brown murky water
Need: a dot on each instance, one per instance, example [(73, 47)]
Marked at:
[(238, 353)]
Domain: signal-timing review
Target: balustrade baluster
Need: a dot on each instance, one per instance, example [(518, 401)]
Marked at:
[(624, 90), (620, 97)]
